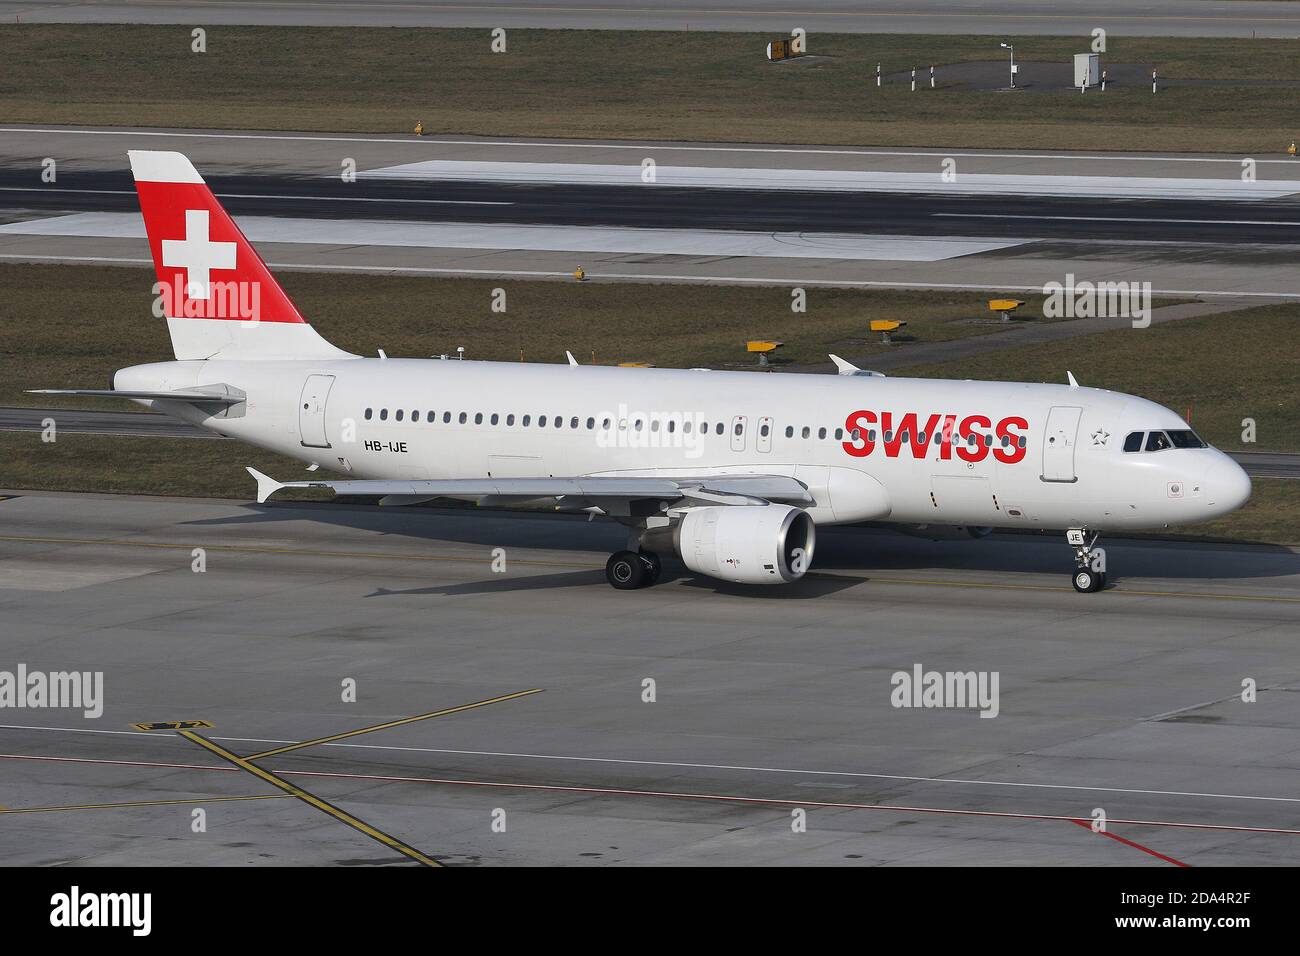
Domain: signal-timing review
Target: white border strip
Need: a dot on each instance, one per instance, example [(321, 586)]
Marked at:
[(687, 766)]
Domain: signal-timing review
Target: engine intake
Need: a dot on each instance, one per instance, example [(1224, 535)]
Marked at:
[(748, 544)]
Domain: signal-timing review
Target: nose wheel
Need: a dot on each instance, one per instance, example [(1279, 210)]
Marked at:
[(630, 570), (1090, 561)]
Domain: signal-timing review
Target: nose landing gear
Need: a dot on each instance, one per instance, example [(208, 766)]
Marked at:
[(1090, 561)]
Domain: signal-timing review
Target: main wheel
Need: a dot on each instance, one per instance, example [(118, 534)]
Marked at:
[(1086, 581), (625, 570), (653, 567)]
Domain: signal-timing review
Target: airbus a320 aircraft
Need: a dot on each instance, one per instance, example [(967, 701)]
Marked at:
[(730, 471)]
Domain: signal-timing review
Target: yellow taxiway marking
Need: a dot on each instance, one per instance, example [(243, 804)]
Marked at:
[(173, 725), (393, 723), (478, 559), (310, 799), (193, 802)]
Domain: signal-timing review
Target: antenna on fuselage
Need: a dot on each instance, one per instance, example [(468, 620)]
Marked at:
[(1070, 377)]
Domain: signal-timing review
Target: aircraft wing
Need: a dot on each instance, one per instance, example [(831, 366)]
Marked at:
[(722, 489)]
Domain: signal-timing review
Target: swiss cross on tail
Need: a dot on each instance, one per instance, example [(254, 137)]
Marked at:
[(206, 267), (197, 254)]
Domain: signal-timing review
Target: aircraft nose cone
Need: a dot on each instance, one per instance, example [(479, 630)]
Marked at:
[(1227, 486)]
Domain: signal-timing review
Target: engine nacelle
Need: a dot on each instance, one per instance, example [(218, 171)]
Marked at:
[(749, 544)]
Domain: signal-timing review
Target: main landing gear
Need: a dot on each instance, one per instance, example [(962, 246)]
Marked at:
[(629, 570), (1090, 561)]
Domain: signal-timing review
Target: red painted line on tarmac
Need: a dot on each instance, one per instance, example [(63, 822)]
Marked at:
[(1137, 846), (667, 794)]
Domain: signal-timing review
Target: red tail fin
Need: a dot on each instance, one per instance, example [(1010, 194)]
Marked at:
[(219, 298)]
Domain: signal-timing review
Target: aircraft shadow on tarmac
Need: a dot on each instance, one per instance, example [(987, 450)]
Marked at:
[(812, 586), (848, 548)]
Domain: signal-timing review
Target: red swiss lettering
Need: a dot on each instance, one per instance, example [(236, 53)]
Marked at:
[(1015, 452), (859, 420)]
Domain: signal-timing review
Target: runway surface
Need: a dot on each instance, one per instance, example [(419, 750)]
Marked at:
[(1000, 17), (1009, 221), (1272, 220), (1127, 701)]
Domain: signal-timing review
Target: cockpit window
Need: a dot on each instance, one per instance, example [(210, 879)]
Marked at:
[(1158, 441), (1185, 438), (1133, 442)]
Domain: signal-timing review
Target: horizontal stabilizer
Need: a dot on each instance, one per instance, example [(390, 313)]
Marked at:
[(219, 394)]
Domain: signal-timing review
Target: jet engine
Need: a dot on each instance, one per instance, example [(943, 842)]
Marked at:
[(749, 544)]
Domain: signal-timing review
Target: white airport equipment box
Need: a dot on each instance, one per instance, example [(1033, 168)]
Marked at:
[(1087, 69)]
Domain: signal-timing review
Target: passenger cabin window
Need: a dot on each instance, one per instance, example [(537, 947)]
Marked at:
[(369, 412), (398, 415), (383, 414)]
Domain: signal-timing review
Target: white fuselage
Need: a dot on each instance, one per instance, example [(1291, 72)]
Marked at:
[(354, 416)]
